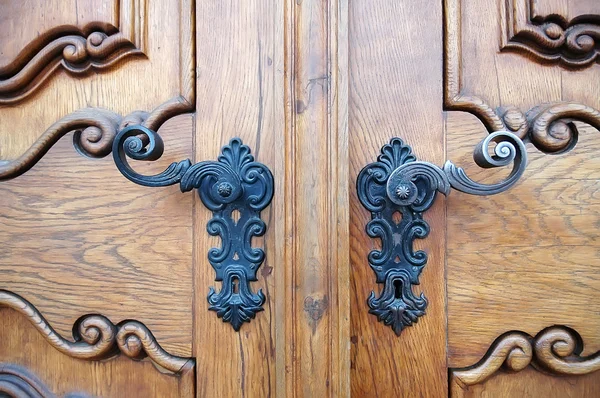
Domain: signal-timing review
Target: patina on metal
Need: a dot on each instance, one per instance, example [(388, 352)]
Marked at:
[(398, 183), (236, 189)]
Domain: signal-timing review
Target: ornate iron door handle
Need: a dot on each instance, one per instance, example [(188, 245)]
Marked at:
[(398, 183), (233, 183)]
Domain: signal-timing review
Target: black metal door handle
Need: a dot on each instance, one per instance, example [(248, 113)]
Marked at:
[(398, 183), (233, 183)]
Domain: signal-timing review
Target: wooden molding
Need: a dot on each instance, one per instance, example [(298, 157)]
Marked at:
[(96, 46), (549, 127), (17, 381), (96, 337), (555, 350), (550, 38), (316, 91), (95, 128)]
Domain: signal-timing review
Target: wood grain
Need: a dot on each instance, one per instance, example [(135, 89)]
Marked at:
[(21, 344), (17, 381), (525, 259), (17, 18), (78, 238), (317, 293), (396, 90), (276, 80), (78, 50), (164, 30), (547, 31), (529, 383), (237, 97), (555, 350), (95, 337)]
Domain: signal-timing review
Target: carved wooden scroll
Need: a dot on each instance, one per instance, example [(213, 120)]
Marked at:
[(17, 381), (551, 38), (95, 337), (555, 350), (77, 50), (549, 127), (95, 128)]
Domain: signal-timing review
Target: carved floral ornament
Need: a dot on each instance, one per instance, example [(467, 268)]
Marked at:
[(96, 46), (550, 127)]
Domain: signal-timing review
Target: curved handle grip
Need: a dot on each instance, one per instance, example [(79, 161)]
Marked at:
[(398, 183), (233, 183)]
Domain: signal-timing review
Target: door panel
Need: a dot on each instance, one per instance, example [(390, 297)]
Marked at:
[(73, 247), (530, 383), (61, 374), (93, 89), (315, 89), (524, 260), (275, 78), (395, 53)]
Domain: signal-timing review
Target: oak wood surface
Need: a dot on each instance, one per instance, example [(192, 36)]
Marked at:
[(273, 80), (21, 344), (118, 87), (17, 19), (315, 88), (395, 89), (78, 238), (525, 259), (529, 383)]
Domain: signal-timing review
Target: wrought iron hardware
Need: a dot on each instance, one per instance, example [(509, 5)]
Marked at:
[(398, 183), (233, 185)]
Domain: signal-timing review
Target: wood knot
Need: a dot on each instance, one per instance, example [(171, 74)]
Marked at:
[(315, 308)]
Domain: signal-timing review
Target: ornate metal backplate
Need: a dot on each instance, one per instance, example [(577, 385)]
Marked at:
[(236, 189), (396, 265), (397, 189)]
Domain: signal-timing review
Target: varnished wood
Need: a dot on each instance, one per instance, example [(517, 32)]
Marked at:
[(555, 350), (529, 383), (545, 31), (22, 345), (547, 125), (315, 88), (40, 58), (275, 80), (76, 50), (395, 54), (97, 127), (78, 238), (316, 198), (17, 381), (525, 259), (96, 337)]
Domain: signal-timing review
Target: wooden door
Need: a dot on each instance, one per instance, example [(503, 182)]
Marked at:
[(104, 282)]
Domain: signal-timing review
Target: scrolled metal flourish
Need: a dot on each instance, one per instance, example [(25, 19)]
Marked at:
[(233, 183), (398, 183)]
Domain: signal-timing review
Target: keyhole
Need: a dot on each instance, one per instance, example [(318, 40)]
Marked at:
[(396, 217), (236, 288), (235, 216), (398, 289)]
